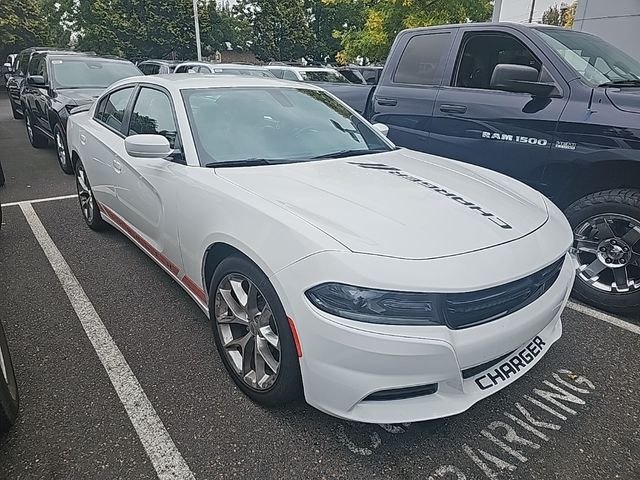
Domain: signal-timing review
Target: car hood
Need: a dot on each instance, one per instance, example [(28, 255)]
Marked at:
[(80, 96), (401, 204), (625, 99)]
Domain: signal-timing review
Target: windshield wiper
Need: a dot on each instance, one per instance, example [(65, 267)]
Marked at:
[(621, 83), (248, 162), (349, 153)]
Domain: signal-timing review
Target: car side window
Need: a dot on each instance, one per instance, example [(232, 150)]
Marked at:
[(422, 59), (182, 69), (289, 75), (481, 52), (23, 64), (111, 109), (153, 114)]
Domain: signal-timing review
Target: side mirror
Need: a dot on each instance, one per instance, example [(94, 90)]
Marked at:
[(36, 81), (147, 146), (8, 67), (381, 128), (520, 79)]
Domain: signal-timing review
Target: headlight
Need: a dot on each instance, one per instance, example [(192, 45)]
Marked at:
[(376, 306)]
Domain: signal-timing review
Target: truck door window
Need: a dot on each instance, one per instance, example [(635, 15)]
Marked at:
[(481, 52), (420, 63)]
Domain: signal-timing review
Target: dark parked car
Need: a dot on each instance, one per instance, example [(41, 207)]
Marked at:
[(369, 74), (18, 72), (158, 67), (555, 108), (55, 84), (8, 387)]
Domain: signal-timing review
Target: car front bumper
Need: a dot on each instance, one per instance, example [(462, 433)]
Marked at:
[(343, 361)]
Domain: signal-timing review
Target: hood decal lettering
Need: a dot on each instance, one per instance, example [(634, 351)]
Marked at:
[(437, 189)]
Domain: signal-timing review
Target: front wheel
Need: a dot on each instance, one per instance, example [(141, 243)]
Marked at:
[(8, 387), (252, 333), (61, 150), (606, 227), (88, 204)]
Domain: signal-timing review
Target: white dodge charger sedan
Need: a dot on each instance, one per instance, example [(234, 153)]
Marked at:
[(385, 285)]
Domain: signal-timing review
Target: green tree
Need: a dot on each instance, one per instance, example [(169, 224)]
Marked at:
[(552, 16), (58, 15), (385, 18), (21, 26), (280, 28), (140, 28), (327, 17), (227, 25), (560, 16)]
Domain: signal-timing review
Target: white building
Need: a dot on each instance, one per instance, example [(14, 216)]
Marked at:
[(616, 21)]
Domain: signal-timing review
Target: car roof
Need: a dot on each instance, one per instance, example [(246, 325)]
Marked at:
[(480, 26), (164, 62), (225, 65), (184, 81), (81, 56)]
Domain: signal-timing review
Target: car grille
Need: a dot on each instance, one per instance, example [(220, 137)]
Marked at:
[(462, 310)]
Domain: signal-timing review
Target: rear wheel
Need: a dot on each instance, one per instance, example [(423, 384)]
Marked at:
[(61, 150), (252, 333), (36, 138), (88, 204), (606, 226), (8, 387)]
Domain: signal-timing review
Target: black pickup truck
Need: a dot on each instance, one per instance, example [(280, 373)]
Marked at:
[(554, 108)]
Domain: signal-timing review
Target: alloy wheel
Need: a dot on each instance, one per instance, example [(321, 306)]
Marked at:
[(84, 193), (247, 331), (607, 248), (60, 149)]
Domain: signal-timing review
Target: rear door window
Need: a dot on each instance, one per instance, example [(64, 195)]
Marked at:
[(422, 61), (111, 109)]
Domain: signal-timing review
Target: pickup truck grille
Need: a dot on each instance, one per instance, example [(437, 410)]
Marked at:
[(463, 310)]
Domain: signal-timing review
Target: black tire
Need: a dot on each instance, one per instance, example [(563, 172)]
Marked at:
[(88, 205), (16, 114), (36, 138), (288, 385), (62, 151), (620, 202), (9, 398)]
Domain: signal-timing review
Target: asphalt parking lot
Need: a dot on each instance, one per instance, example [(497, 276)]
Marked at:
[(575, 416)]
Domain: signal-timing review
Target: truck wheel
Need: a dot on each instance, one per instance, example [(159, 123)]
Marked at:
[(606, 226)]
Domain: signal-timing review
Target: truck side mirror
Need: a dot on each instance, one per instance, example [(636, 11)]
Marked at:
[(520, 79), (8, 67)]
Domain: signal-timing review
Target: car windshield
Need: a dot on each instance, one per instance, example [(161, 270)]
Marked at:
[(251, 72), (595, 60), (322, 76), (86, 73), (275, 125)]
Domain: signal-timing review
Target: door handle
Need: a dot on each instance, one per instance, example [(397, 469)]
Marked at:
[(117, 166), (453, 108), (389, 102)]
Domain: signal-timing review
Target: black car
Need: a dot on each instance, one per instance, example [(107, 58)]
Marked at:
[(18, 72), (55, 84), (156, 67)]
